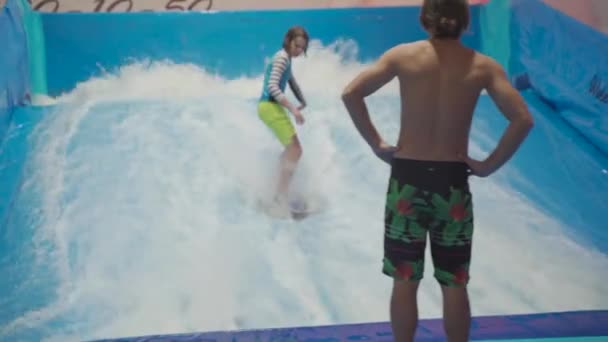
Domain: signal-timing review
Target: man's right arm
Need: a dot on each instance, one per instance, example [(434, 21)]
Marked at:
[(514, 108), (363, 85)]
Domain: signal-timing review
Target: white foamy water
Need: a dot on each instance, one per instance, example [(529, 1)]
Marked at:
[(147, 179)]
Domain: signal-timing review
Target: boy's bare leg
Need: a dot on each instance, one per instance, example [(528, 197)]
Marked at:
[(456, 313), (289, 160), (404, 310)]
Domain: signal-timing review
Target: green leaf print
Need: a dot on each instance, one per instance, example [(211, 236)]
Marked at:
[(419, 201), (396, 228), (388, 266), (393, 196), (444, 276), (416, 231), (455, 196), (442, 208), (393, 191), (468, 231), (468, 209), (407, 192), (418, 268), (450, 233), (396, 195)]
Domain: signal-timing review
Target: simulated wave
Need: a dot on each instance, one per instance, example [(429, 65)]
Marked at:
[(140, 193)]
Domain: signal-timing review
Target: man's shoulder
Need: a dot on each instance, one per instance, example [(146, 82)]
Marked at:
[(487, 63), (409, 46), (398, 52)]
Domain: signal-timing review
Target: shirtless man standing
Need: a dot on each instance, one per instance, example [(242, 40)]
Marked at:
[(428, 192)]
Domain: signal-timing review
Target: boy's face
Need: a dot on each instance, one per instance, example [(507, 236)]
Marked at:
[(297, 46)]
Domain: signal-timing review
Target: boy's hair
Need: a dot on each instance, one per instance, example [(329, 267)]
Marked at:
[(445, 19), (293, 33)]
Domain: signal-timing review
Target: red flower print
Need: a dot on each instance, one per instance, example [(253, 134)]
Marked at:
[(458, 212), (404, 207), (461, 276), (405, 270)]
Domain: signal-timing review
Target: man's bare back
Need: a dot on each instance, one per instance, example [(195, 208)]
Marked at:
[(440, 83)]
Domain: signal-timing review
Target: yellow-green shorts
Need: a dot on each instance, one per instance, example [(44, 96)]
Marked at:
[(276, 118)]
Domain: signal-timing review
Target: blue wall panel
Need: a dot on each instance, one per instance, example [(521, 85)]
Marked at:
[(14, 72), (566, 64), (230, 43)]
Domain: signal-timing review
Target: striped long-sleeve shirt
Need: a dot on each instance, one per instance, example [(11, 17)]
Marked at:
[(278, 74)]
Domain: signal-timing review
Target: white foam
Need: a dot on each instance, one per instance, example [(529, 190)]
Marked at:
[(147, 208)]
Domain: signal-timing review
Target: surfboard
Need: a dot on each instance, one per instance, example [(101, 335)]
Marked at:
[(297, 210), (302, 210)]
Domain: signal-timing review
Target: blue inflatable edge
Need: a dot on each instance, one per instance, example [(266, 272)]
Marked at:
[(488, 328), (564, 62), (14, 63)]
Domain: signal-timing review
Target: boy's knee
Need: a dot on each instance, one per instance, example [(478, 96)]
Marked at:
[(295, 150)]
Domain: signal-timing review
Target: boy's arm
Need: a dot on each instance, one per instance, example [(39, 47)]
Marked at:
[(365, 84), (295, 88), (279, 64), (513, 107)]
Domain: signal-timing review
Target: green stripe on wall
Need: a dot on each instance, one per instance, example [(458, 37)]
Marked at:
[(36, 48), (495, 31)]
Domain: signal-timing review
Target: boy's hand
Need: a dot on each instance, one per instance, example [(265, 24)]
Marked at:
[(299, 118), (296, 113), (302, 106)]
